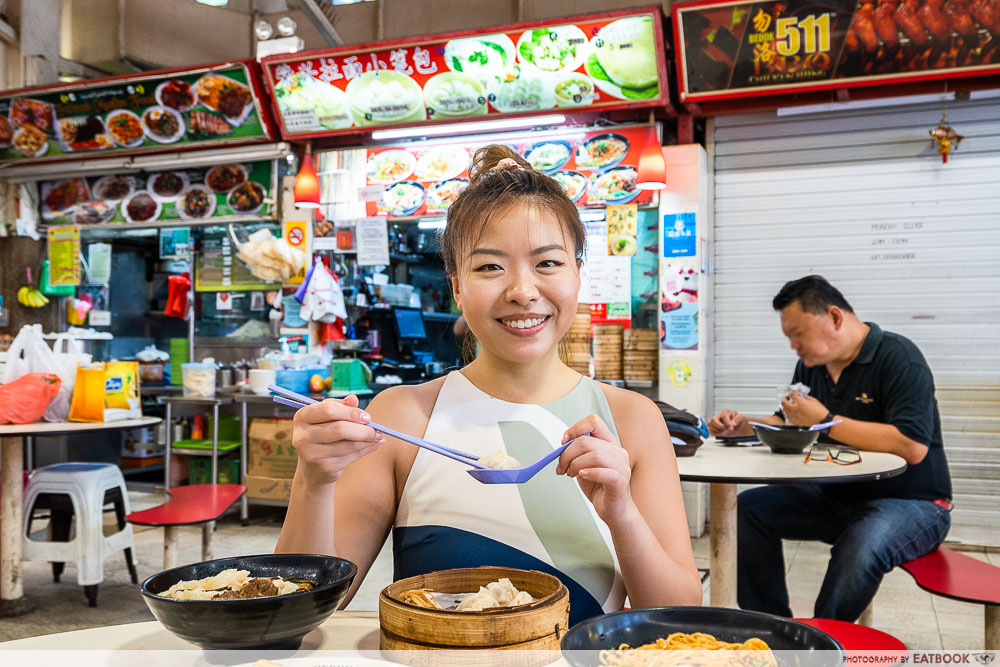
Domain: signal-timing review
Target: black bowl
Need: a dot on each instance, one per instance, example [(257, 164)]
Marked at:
[(278, 622), (636, 627), (787, 440)]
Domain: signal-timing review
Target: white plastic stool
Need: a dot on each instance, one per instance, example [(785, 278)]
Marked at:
[(79, 490)]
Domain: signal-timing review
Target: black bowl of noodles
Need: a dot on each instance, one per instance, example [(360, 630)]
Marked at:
[(275, 622), (596, 641)]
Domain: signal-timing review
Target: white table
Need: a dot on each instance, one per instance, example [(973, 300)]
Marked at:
[(725, 467), (12, 496)]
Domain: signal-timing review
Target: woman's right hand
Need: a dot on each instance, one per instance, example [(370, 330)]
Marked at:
[(331, 435)]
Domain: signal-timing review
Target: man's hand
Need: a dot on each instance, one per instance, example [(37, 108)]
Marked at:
[(728, 422), (803, 410)]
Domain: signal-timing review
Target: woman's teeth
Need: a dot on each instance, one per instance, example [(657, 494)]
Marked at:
[(524, 324)]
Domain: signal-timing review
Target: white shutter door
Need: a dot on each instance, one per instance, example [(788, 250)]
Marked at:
[(863, 199)]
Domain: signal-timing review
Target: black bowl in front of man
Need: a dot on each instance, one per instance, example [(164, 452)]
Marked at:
[(786, 439)]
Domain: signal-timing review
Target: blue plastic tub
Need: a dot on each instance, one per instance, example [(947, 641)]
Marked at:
[(298, 380)]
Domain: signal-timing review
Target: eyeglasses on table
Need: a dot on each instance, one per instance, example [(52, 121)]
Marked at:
[(839, 454)]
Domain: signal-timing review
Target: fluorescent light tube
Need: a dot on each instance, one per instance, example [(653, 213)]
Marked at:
[(479, 126), (866, 104), (437, 223)]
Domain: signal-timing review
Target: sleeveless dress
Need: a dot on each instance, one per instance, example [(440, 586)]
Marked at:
[(446, 519)]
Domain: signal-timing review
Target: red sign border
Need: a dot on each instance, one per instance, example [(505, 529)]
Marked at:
[(786, 88), (406, 42), (254, 80)]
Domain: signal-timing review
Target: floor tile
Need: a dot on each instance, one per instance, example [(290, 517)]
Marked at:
[(962, 642), (949, 623)]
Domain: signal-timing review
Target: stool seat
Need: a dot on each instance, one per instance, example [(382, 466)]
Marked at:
[(77, 493), (953, 575), (189, 505), (854, 637)]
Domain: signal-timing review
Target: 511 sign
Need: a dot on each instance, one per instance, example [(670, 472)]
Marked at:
[(796, 48)]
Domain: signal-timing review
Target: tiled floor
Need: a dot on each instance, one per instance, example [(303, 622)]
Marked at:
[(920, 620)]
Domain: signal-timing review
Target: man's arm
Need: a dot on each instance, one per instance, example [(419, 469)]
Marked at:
[(875, 437)]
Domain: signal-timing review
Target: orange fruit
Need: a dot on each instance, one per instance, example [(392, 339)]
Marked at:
[(328, 383), (316, 383)]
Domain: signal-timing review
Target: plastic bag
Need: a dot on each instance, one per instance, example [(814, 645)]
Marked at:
[(150, 353), (28, 353), (23, 400), (323, 300), (68, 354), (106, 392)]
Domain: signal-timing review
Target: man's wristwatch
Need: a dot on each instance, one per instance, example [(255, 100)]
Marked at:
[(829, 418)]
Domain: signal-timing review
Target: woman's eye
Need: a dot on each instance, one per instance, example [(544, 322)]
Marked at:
[(549, 264), (485, 268)]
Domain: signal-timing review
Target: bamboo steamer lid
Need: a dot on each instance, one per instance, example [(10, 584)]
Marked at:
[(539, 625)]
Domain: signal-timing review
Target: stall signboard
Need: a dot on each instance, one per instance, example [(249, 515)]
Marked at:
[(595, 169), (224, 191), (740, 49), (612, 60), (167, 111)]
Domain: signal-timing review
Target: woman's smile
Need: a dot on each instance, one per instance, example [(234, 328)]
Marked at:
[(524, 325)]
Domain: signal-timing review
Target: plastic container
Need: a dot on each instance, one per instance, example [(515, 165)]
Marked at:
[(198, 380), (298, 380), (151, 371), (200, 470)]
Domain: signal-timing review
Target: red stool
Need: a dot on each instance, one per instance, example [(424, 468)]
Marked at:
[(858, 639)]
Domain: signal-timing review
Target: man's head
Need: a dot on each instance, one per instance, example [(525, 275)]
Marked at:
[(817, 320)]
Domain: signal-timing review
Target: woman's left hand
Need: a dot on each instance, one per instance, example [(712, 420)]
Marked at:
[(601, 466)]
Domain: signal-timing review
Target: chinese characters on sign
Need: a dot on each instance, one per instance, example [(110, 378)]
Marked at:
[(606, 62)]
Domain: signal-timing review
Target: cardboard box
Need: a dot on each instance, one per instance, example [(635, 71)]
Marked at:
[(270, 452), (268, 487)]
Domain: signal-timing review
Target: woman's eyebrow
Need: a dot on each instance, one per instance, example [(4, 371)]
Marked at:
[(537, 251), (489, 251), (546, 248)]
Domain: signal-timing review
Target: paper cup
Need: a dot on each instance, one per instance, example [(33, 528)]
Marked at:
[(260, 378)]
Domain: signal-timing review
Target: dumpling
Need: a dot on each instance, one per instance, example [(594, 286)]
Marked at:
[(522, 597), (503, 591), (478, 601), (500, 461)]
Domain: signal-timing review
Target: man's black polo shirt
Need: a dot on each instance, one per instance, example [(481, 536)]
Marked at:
[(889, 382)]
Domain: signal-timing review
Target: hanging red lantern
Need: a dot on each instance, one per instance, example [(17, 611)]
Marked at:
[(307, 184), (652, 167)]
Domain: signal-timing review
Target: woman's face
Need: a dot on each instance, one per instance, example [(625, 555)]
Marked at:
[(518, 285)]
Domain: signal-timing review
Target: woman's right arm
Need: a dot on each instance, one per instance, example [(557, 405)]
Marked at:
[(343, 496)]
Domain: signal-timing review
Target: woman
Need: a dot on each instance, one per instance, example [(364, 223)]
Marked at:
[(513, 248)]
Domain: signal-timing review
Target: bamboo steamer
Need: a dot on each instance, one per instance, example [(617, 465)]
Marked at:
[(536, 626)]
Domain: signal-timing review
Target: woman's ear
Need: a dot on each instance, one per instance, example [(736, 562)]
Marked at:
[(455, 291)]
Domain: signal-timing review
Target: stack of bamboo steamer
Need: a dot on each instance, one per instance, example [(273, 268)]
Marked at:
[(640, 355), (608, 340), (578, 340)]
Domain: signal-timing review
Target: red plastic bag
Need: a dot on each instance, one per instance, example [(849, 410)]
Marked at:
[(24, 400)]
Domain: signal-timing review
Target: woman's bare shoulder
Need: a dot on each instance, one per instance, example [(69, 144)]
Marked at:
[(406, 407), (635, 415)]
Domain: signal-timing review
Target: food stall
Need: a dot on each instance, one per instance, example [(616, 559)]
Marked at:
[(394, 126), (134, 180), (848, 141)]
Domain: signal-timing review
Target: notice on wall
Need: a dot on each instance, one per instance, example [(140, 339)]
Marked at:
[(64, 255), (622, 229), (99, 263), (218, 269), (679, 238), (679, 305), (372, 236)]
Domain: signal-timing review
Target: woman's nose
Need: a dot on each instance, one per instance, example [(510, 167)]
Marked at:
[(522, 290)]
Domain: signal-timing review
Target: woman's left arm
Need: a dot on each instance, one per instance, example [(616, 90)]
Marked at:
[(636, 490)]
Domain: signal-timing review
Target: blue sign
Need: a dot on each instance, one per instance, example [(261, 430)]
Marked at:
[(679, 238)]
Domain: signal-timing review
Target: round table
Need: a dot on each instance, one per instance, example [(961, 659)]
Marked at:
[(11, 497), (724, 467)]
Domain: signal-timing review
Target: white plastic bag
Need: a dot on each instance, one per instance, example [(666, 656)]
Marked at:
[(28, 353), (68, 353)]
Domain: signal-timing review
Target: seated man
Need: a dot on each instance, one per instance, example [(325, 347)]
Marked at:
[(879, 384)]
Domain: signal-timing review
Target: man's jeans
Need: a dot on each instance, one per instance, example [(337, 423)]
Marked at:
[(869, 539)]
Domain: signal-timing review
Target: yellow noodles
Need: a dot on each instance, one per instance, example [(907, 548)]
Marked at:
[(691, 649)]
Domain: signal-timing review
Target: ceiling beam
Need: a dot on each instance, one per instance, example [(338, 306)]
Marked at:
[(320, 21)]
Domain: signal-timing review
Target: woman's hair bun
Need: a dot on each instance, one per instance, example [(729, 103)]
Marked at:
[(487, 158)]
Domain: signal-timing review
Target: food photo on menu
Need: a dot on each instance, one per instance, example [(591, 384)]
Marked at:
[(230, 189), (131, 115)]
